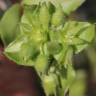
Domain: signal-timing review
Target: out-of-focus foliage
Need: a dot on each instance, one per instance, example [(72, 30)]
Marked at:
[(79, 86)]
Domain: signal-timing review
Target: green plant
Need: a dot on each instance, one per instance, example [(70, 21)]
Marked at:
[(46, 40)]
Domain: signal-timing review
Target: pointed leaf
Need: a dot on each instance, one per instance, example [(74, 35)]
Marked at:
[(22, 51), (88, 34), (9, 24)]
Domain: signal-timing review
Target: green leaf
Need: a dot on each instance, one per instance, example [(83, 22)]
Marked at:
[(22, 51), (70, 5), (68, 78), (73, 28), (79, 48), (9, 24), (68, 57), (58, 17), (74, 41), (78, 34), (61, 56), (44, 16), (88, 34), (31, 18)]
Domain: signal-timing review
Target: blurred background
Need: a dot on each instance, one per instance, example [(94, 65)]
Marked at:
[(23, 81)]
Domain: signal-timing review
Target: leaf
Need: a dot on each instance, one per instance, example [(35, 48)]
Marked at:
[(88, 34), (61, 56), (70, 73), (30, 18), (70, 5), (68, 58), (79, 48), (44, 16), (22, 51), (58, 17), (74, 28), (74, 41), (78, 34), (9, 24)]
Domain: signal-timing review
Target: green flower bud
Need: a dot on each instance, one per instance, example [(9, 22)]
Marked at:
[(50, 82), (44, 16), (41, 63), (58, 17)]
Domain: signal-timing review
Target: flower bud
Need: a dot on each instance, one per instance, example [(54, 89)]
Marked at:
[(58, 17), (44, 16), (41, 64)]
